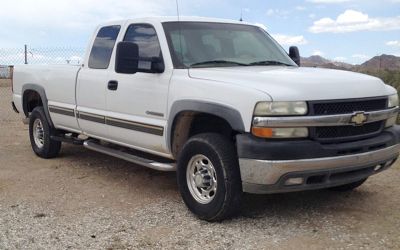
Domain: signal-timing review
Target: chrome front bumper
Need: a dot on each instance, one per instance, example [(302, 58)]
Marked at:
[(265, 176)]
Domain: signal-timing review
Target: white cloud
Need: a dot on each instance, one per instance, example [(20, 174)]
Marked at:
[(270, 12), (394, 43), (78, 14), (351, 20), (328, 1), (340, 59), (289, 40), (361, 56), (49, 22), (312, 16), (278, 13), (318, 53), (300, 8)]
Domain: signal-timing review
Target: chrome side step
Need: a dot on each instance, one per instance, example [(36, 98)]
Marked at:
[(93, 145)]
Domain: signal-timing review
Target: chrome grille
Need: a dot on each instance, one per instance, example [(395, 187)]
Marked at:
[(348, 106), (333, 134)]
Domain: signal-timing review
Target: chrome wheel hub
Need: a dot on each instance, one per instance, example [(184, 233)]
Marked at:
[(201, 179), (38, 133)]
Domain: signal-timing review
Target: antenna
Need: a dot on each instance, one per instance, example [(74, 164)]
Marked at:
[(180, 31), (177, 9), (241, 14)]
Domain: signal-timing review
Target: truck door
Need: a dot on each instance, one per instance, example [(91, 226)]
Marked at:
[(137, 103), (92, 83)]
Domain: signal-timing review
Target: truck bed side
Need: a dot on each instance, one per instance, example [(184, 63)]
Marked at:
[(56, 82)]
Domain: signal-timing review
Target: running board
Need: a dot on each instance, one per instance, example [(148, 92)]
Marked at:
[(93, 145)]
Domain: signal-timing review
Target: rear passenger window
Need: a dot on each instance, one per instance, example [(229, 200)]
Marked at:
[(103, 46), (145, 36)]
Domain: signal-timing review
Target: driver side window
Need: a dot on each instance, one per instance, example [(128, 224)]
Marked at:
[(145, 36)]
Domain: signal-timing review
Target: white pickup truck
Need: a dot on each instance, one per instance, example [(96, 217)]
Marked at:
[(218, 101)]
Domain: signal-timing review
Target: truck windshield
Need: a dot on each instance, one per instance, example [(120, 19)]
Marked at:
[(206, 44)]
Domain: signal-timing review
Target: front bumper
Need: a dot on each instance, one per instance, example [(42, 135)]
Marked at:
[(321, 165)]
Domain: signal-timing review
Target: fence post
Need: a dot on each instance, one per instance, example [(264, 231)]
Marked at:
[(26, 54)]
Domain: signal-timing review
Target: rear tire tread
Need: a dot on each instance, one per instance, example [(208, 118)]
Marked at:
[(51, 148)]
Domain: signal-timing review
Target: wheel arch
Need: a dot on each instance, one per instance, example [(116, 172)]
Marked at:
[(226, 114), (30, 89)]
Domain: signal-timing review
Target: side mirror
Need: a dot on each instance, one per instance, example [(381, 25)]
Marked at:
[(127, 60), (294, 54)]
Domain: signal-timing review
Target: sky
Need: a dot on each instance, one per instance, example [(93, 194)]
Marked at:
[(351, 31)]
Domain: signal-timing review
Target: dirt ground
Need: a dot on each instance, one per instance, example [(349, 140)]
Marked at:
[(85, 200)]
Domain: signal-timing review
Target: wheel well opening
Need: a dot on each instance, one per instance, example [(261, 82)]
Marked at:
[(31, 100), (189, 123)]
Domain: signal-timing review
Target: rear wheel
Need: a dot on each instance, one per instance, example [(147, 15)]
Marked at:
[(209, 177), (40, 134), (348, 187)]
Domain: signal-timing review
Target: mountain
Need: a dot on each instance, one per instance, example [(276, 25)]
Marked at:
[(377, 63), (319, 61), (383, 62), (386, 67), (314, 61)]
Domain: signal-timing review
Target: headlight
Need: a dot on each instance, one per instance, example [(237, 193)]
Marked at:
[(280, 132), (393, 101), (280, 108)]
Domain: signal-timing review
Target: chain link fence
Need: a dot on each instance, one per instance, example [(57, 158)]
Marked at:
[(29, 55), (7, 116), (41, 55)]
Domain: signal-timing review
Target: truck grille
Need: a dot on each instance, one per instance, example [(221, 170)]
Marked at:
[(346, 133), (348, 106)]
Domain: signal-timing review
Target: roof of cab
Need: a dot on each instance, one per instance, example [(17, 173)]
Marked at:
[(163, 19)]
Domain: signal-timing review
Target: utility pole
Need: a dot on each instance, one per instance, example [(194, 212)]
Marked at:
[(26, 54)]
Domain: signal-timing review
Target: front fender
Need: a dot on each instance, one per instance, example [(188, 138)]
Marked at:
[(229, 114)]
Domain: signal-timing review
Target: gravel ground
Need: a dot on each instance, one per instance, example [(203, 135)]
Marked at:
[(85, 200)]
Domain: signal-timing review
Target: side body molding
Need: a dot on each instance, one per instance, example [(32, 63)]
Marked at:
[(39, 89), (231, 115)]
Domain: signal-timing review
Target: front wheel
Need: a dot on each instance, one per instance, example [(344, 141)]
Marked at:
[(40, 133), (209, 177)]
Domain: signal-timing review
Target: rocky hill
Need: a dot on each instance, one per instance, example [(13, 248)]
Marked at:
[(386, 67), (383, 62), (377, 63)]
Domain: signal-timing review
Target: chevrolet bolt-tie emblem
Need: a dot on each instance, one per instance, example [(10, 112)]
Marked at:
[(359, 118)]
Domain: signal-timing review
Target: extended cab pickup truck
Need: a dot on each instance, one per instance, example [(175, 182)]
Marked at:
[(218, 101)]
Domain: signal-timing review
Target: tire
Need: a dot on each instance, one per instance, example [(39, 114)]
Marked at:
[(40, 133), (213, 158), (348, 187)]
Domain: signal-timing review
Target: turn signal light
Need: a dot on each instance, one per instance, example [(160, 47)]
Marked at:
[(262, 132), (279, 132)]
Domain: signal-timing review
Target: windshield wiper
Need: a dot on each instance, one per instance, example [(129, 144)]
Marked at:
[(269, 62), (218, 62)]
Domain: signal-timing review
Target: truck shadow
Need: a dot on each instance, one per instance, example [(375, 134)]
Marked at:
[(305, 203), (118, 174)]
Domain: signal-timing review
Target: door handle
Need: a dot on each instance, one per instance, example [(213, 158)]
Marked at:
[(112, 85)]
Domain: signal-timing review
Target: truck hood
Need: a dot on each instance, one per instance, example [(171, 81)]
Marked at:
[(297, 83)]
